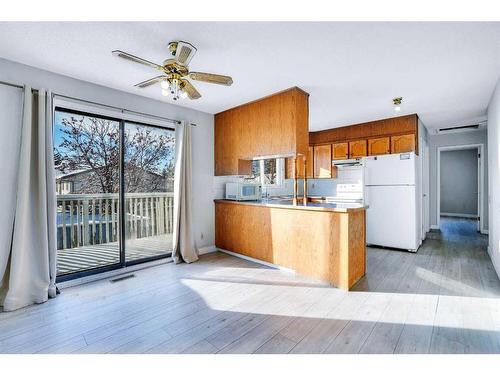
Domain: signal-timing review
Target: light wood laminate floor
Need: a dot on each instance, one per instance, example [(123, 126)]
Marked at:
[(443, 299)]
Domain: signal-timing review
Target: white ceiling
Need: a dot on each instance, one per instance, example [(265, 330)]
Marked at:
[(445, 72)]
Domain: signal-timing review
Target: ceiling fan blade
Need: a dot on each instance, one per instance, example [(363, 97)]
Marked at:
[(184, 52), (151, 81), (211, 78), (136, 59), (190, 90)]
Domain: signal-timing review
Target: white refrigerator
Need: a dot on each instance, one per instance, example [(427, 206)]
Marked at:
[(391, 192)]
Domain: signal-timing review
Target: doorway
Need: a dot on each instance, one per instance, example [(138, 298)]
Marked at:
[(460, 185)]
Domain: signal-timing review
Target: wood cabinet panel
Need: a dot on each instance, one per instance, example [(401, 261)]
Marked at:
[(323, 161), (301, 106), (357, 149), (326, 245), (334, 171), (402, 143), (275, 125), (379, 146), (220, 146), (340, 151), (310, 162)]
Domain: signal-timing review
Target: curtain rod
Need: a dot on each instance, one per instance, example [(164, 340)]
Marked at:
[(11, 84), (120, 109), (16, 86), (99, 104)]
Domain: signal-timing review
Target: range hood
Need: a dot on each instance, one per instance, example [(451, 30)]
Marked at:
[(347, 163)]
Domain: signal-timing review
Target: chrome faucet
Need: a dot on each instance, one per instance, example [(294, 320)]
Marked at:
[(266, 193)]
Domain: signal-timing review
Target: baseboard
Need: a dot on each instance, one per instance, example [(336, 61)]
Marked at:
[(485, 231), (264, 263), (207, 249), (467, 216), (434, 226)]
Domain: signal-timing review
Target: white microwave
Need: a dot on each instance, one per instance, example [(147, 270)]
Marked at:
[(243, 191)]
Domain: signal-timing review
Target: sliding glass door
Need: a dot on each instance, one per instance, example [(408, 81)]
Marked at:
[(149, 186), (114, 183), (87, 156)]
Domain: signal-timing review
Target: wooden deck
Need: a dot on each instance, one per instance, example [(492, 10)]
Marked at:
[(93, 256)]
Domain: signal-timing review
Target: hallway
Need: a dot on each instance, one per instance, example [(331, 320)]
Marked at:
[(453, 228)]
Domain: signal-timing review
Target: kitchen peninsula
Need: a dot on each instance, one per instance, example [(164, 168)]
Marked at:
[(325, 241)]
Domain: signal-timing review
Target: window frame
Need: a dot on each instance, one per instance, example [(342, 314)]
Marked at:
[(280, 172)]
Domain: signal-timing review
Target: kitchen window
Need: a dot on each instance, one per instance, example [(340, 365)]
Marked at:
[(269, 172)]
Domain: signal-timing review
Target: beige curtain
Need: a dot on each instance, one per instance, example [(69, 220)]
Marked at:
[(31, 272), (183, 238), (11, 117)]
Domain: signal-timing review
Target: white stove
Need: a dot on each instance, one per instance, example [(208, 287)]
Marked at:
[(349, 185)]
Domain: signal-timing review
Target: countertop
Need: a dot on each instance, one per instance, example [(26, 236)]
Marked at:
[(288, 204)]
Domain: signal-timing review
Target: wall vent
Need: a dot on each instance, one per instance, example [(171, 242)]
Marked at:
[(458, 128), (121, 278)]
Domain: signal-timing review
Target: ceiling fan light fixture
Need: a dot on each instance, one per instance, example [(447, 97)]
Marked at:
[(175, 89), (176, 76), (397, 103)]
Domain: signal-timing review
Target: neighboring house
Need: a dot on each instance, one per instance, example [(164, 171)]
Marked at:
[(69, 183), (87, 182)]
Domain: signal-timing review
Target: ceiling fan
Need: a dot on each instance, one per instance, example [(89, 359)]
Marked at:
[(175, 72)]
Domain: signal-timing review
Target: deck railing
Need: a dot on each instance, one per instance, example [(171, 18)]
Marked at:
[(92, 219)]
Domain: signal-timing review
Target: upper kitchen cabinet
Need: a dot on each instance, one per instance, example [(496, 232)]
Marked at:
[(340, 151), (391, 135), (402, 143), (225, 141), (357, 149), (379, 146), (277, 125), (323, 161)]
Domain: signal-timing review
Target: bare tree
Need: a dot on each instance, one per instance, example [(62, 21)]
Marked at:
[(92, 145), (146, 151)]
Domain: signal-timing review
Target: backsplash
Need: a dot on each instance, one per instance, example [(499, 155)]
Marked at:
[(285, 189), (315, 187)]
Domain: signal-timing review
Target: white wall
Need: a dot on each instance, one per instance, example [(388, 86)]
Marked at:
[(494, 176), (202, 134), (459, 182), (456, 139)]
